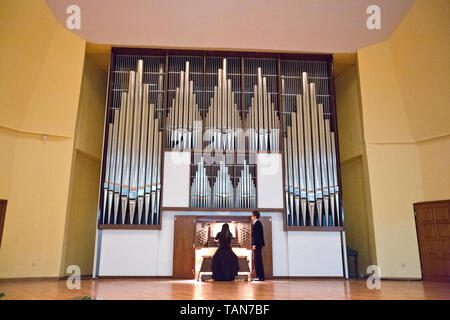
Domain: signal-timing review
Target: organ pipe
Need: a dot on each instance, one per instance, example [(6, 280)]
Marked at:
[(131, 189), (262, 123), (132, 173), (223, 121), (310, 161), (184, 122)]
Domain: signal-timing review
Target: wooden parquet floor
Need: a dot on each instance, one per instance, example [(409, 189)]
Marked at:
[(191, 289)]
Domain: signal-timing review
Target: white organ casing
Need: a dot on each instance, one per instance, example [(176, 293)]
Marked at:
[(270, 180), (176, 179)]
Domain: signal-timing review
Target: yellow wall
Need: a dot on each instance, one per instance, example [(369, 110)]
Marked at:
[(404, 96), (85, 177), (41, 64), (357, 209), (419, 48)]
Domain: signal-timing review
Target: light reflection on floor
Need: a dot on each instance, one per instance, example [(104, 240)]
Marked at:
[(192, 289)]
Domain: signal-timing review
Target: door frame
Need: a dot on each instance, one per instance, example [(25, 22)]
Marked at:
[(267, 257), (431, 205)]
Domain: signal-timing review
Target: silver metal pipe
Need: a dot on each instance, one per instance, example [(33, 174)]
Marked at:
[(295, 162), (301, 163), (330, 169), (155, 171), (127, 148), (108, 164), (260, 111), (290, 173), (158, 178), (323, 158), (143, 152), (151, 150), (308, 149), (112, 167), (336, 183), (120, 155), (316, 152), (136, 140)]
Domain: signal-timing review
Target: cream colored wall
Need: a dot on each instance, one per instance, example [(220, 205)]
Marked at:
[(85, 177), (357, 209), (434, 158), (392, 161), (419, 48), (41, 64), (404, 93)]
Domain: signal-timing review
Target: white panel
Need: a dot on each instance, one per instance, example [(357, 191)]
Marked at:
[(150, 252), (280, 258), (165, 247), (315, 254), (269, 180), (128, 253), (176, 179)]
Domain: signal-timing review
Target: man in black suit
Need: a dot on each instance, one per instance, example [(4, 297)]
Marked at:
[(257, 245)]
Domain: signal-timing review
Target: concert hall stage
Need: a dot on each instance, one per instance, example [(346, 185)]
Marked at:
[(191, 289)]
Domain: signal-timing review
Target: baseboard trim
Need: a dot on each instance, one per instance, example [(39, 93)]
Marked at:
[(29, 279), (84, 277), (135, 277), (307, 278), (400, 279)]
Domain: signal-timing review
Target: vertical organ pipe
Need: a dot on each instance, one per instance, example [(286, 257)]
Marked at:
[(316, 152), (120, 148), (136, 140), (310, 161), (308, 149), (112, 164), (128, 145), (132, 181), (108, 164)]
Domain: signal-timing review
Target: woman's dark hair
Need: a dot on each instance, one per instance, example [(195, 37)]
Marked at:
[(226, 230), (256, 214)]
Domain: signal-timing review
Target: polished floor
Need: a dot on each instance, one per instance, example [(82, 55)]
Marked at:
[(190, 289)]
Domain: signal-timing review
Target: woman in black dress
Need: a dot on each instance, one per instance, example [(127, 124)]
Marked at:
[(225, 263)]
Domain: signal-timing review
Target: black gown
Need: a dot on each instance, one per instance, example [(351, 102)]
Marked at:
[(225, 262)]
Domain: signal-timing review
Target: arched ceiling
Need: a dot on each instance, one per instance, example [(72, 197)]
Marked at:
[(331, 26)]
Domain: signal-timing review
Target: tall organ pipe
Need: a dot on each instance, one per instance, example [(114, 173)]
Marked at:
[(128, 144), (136, 140), (262, 120), (112, 164), (132, 176), (120, 148), (324, 164), (108, 164), (310, 162), (316, 152)]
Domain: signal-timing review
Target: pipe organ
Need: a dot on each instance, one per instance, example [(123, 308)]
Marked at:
[(132, 186), (224, 110), (311, 185), (262, 121), (226, 190), (223, 120)]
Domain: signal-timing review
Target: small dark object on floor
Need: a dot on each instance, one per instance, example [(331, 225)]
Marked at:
[(353, 253)]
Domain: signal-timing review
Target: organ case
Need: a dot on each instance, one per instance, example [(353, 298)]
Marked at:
[(223, 108)]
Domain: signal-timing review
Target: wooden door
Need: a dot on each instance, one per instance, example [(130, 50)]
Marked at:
[(433, 233), (184, 247), (2, 217), (267, 250)]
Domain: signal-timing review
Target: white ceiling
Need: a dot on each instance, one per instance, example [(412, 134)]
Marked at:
[(332, 26)]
